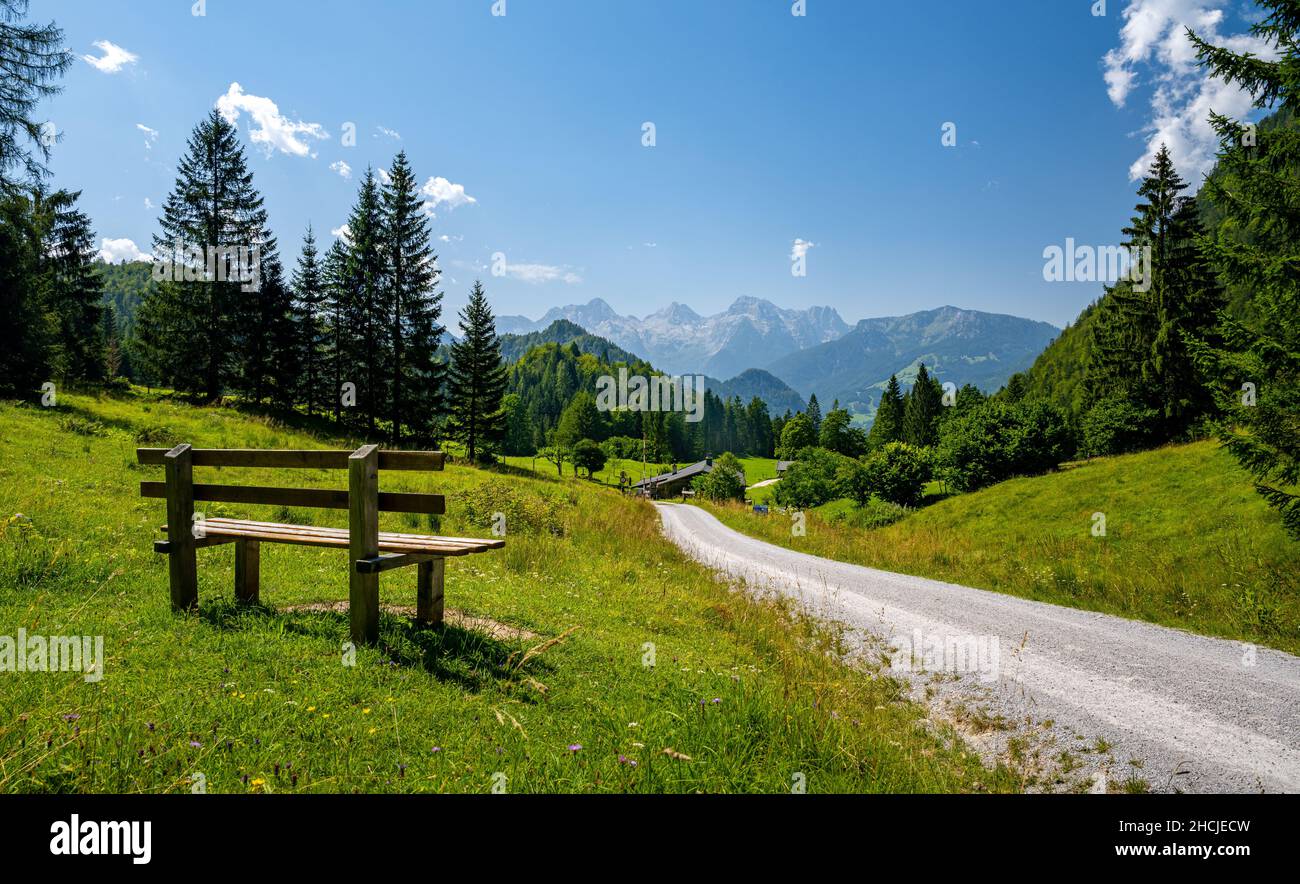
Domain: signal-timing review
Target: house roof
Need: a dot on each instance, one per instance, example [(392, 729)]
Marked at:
[(691, 471)]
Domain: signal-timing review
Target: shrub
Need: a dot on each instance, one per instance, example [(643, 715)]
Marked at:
[(725, 482), (622, 447), (811, 480), (158, 437), (526, 511), (897, 473), (875, 513), (1118, 425), (998, 440), (82, 426)]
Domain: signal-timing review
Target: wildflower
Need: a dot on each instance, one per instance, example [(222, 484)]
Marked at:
[(151, 727), (437, 748), (195, 744), (72, 716), (575, 747)]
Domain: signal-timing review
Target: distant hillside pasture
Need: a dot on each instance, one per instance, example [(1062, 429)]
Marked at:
[(542, 681), (1188, 543)]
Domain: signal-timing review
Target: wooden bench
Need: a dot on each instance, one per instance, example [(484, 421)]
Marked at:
[(370, 550)]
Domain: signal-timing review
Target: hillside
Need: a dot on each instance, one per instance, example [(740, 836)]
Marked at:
[(1058, 373), (562, 331), (541, 675), (763, 384), (962, 346), (1188, 543)]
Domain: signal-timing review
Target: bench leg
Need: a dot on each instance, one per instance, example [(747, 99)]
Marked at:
[(182, 564), (248, 578), (428, 597)]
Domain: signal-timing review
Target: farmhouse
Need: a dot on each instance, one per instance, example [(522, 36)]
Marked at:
[(672, 484)]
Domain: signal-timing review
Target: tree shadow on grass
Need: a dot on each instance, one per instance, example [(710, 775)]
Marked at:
[(469, 658)]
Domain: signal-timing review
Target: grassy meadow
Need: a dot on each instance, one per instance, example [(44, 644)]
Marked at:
[(1188, 543), (538, 683)]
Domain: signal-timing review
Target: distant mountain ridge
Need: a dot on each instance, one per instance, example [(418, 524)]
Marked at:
[(962, 346), (748, 334), (748, 384)]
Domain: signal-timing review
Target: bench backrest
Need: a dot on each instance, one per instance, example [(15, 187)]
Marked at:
[(363, 487)]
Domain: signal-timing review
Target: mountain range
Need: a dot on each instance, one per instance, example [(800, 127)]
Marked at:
[(751, 333), (792, 354)]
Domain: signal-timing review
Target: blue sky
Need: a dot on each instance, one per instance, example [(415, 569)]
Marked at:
[(769, 128)]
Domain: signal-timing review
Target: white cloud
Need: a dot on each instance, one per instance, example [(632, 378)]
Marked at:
[(150, 135), (384, 177), (342, 168), (445, 238), (396, 136), (113, 60), (535, 274), (440, 191), (268, 127), (148, 203), (113, 251), (1153, 41), (800, 248), (342, 232)]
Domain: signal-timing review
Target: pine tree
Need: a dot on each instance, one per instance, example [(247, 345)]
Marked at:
[(73, 291), (922, 410), (26, 331), (1258, 247), (338, 329), (1139, 350), (310, 305), (366, 319), (477, 380), (888, 426), (815, 414), (416, 306), (206, 335), (114, 354), (32, 58)]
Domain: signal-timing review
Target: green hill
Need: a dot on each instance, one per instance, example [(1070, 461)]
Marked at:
[(1188, 543), (541, 675)]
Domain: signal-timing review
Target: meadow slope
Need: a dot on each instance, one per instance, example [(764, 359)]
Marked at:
[(1188, 543), (539, 683)]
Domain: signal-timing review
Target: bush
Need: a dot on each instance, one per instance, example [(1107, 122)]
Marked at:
[(526, 511), (622, 447), (874, 514), (725, 482), (999, 440), (897, 473), (1118, 425), (815, 478)]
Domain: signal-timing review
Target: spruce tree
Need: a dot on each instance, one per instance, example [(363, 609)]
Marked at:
[(1257, 246), (32, 58), (416, 375), (72, 289), (205, 329), (366, 319), (922, 410), (1139, 349), (888, 425), (476, 380), (310, 306), (815, 413), (339, 366)]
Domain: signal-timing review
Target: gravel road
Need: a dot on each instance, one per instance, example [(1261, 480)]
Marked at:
[(1180, 711)]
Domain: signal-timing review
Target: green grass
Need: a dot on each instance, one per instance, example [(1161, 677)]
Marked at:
[(1188, 543), (259, 700)]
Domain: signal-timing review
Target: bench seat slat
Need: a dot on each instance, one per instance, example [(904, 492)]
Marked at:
[(337, 538)]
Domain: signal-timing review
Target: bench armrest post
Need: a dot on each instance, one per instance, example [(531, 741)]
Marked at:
[(363, 541), (182, 564)]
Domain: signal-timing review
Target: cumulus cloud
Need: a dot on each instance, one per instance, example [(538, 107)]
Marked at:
[(113, 60), (383, 130), (1154, 45), (342, 168), (342, 232), (535, 274), (800, 248), (113, 251), (441, 192), (384, 177), (268, 127)]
